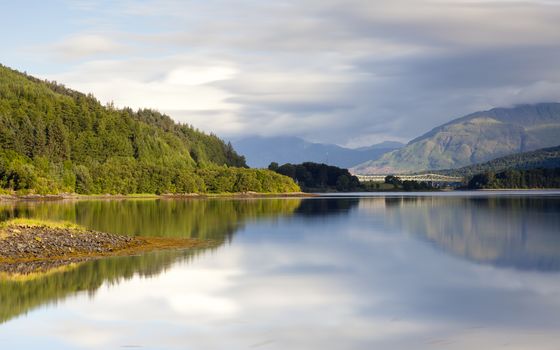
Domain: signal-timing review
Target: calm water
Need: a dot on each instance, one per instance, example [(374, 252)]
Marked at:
[(350, 272)]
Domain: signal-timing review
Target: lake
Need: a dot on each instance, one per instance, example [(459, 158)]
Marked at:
[(386, 271)]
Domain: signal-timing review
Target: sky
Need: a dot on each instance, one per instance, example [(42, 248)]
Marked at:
[(350, 72)]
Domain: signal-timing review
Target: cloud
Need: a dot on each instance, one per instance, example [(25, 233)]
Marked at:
[(86, 45), (168, 83), (351, 72)]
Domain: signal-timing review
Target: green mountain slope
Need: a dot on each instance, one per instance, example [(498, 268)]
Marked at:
[(53, 139), (475, 138), (546, 158)]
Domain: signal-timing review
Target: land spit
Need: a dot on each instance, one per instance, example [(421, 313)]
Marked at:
[(38, 248)]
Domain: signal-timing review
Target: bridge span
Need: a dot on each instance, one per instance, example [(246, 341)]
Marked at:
[(420, 178)]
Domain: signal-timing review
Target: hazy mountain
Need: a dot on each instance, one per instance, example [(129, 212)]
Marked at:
[(472, 139), (261, 151), (545, 158)]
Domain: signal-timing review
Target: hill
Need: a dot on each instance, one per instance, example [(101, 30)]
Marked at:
[(546, 158), (472, 139), (261, 151), (54, 139)]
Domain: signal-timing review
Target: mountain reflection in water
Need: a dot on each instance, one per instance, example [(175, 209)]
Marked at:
[(518, 232)]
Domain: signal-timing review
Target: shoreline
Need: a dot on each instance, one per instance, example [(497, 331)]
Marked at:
[(73, 196), (7, 198)]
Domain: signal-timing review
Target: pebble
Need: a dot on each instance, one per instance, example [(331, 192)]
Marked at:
[(22, 242)]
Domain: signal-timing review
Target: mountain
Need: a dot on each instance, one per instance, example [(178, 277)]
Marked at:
[(472, 139), (261, 151), (54, 139), (546, 158)]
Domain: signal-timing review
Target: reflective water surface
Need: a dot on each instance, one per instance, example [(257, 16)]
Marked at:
[(441, 271)]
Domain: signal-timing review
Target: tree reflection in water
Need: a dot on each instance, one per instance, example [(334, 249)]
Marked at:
[(215, 220)]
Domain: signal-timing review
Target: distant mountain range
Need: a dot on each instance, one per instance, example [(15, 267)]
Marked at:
[(475, 138), (546, 158), (259, 152)]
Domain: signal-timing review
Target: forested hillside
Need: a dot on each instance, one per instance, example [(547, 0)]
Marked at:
[(546, 158), (53, 139)]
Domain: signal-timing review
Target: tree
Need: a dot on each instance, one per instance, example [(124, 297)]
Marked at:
[(343, 183), (393, 180), (481, 180), (84, 181), (273, 166)]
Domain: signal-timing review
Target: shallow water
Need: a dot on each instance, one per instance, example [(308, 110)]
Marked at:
[(397, 271)]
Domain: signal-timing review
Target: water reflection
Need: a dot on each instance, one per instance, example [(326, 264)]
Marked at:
[(343, 273), (324, 206), (213, 219), (519, 232), (19, 296), (204, 219)]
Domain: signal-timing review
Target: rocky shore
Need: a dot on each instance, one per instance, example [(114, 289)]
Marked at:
[(31, 242), (37, 248)]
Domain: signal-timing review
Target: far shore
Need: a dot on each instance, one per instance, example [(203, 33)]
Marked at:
[(243, 195)]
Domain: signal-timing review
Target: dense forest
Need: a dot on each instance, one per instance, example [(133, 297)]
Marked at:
[(54, 139), (519, 179), (314, 177)]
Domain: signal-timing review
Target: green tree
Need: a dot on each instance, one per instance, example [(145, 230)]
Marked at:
[(393, 180), (273, 166)]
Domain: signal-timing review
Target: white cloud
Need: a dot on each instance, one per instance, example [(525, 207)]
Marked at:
[(177, 85), (86, 45), (353, 72), (193, 76)]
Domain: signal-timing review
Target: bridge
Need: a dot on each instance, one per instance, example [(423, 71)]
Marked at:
[(433, 178)]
